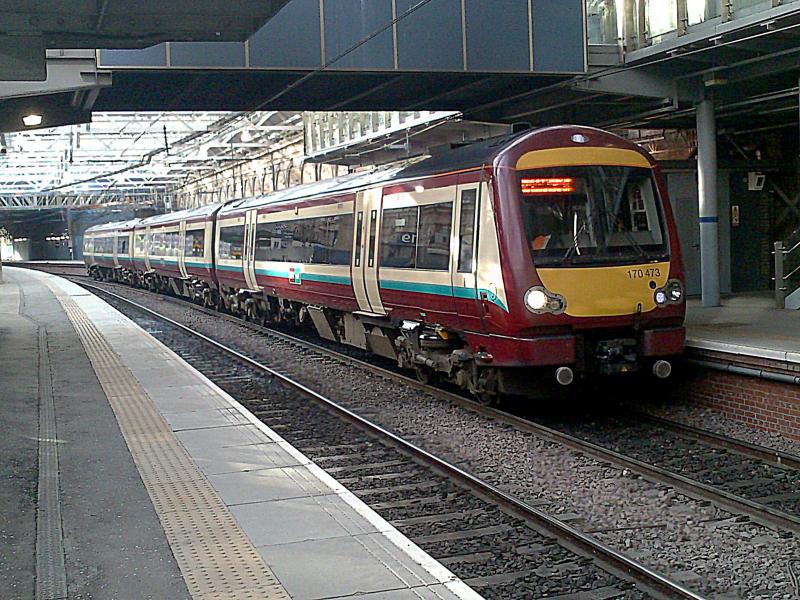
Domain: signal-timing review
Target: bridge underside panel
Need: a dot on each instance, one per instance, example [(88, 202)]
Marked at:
[(479, 96), (523, 36)]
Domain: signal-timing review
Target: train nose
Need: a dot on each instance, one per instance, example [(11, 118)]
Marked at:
[(662, 369)]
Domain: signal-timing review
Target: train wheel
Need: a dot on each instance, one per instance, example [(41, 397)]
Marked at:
[(424, 374), (486, 398)]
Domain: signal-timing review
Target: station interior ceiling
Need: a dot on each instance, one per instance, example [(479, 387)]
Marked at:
[(209, 116)]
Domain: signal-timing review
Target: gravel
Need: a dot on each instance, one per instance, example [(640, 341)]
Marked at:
[(683, 411), (708, 549)]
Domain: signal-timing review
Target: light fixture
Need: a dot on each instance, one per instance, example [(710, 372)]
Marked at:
[(536, 299), (539, 301), (32, 120), (419, 189)]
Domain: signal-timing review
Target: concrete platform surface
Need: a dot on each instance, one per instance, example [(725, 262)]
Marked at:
[(168, 486), (747, 324)]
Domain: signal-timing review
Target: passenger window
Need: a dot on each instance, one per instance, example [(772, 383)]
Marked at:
[(466, 231), (231, 242), (433, 239), (320, 240), (195, 243), (266, 240), (175, 243), (399, 238)]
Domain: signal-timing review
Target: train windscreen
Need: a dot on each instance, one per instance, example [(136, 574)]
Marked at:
[(592, 214)]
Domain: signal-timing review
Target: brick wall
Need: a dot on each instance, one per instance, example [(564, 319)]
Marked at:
[(759, 403)]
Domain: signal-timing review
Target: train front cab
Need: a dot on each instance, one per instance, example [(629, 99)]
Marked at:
[(594, 278)]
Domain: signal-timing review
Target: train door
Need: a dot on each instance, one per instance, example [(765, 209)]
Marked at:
[(365, 251), (464, 251), (182, 250), (147, 234), (115, 249), (131, 249), (88, 248), (248, 249)]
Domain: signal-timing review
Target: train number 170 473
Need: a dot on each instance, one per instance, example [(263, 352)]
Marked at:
[(642, 273)]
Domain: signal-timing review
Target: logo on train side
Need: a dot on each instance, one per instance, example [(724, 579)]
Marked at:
[(294, 275)]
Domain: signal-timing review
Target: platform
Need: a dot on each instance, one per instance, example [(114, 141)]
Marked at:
[(747, 326), (128, 474)]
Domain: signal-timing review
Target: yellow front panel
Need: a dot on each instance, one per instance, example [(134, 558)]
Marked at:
[(584, 155), (606, 291)]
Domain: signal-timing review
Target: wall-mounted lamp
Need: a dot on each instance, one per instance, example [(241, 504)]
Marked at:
[(32, 120)]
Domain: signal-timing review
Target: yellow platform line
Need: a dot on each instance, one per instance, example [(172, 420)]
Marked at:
[(216, 558)]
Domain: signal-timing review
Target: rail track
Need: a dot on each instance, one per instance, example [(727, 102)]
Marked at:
[(760, 483), (496, 543)]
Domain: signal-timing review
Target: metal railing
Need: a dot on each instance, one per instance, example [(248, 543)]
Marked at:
[(637, 24), (782, 277)]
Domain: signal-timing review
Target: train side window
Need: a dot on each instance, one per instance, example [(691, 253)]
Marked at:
[(175, 243), (399, 237), (231, 242), (433, 237), (319, 240), (266, 240), (466, 231), (138, 243), (195, 243), (359, 226), (122, 245)]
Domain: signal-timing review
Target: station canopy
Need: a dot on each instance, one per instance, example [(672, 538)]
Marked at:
[(126, 156)]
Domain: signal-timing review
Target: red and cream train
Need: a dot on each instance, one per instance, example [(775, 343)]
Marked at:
[(499, 265)]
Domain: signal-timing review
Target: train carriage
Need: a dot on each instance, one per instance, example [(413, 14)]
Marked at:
[(107, 250), (498, 265), (174, 252)]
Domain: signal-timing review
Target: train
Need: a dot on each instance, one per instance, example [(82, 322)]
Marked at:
[(505, 266)]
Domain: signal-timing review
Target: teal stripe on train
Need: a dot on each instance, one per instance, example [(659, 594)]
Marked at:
[(159, 261), (336, 279), (441, 290), (402, 286)]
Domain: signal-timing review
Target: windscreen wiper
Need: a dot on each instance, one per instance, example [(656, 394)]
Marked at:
[(574, 247)]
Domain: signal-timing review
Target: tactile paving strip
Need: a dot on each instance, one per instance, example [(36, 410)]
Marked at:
[(216, 559)]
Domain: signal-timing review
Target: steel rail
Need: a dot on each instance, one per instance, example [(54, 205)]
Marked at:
[(759, 513), (768, 455), (606, 557)]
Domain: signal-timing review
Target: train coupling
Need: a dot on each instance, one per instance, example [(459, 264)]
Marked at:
[(662, 369), (565, 376)]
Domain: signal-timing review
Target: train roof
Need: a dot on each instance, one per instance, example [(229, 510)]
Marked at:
[(181, 215), (114, 226), (329, 187), (462, 157)]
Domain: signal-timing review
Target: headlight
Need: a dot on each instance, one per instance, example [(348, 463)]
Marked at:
[(536, 299), (672, 293), (539, 301)]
